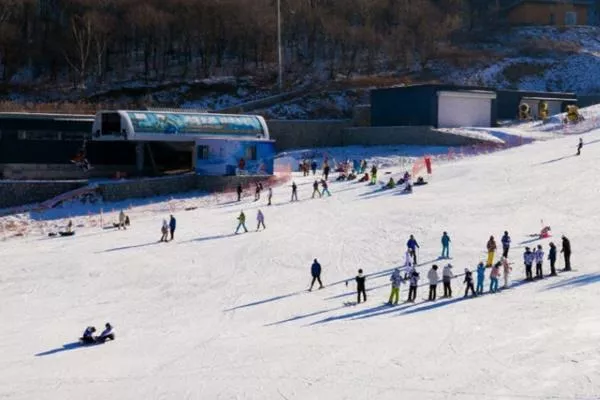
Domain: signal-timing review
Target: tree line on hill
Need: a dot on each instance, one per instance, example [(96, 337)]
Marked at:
[(97, 41)]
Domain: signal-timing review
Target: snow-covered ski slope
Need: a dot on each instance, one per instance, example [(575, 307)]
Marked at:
[(217, 316)]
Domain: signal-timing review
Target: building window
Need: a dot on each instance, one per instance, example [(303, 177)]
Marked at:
[(570, 18), (203, 152), (251, 153)]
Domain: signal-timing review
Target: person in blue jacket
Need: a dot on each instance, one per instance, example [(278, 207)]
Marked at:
[(445, 245), (552, 258), (412, 246), (480, 278), (315, 271), (172, 226), (505, 244)]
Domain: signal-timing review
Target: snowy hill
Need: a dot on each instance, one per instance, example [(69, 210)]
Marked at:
[(213, 315)]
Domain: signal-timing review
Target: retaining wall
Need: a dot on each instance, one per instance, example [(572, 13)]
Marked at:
[(409, 135), (17, 193), (290, 134)]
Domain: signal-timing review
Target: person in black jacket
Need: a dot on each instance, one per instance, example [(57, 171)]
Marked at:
[(566, 250), (552, 258), (315, 271), (294, 192), (239, 191), (316, 189), (469, 281), (360, 286)]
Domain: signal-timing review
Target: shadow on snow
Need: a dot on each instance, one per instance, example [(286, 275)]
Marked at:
[(571, 283), (64, 347)]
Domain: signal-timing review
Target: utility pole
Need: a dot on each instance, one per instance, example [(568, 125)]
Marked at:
[(279, 50)]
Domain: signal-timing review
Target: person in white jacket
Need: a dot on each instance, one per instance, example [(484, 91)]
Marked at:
[(539, 260), (433, 277), (506, 270), (447, 276), (122, 220)]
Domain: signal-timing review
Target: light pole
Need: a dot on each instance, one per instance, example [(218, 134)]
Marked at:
[(279, 51)]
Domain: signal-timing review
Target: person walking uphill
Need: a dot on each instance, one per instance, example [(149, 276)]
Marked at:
[(172, 226), (445, 245), (270, 196), (165, 231), (396, 280), (241, 222), (469, 282), (360, 286), (326, 169), (480, 278), (447, 276), (491, 248), (433, 281), (260, 218), (315, 271), (539, 259), (552, 259), (566, 250), (505, 244), (413, 246)]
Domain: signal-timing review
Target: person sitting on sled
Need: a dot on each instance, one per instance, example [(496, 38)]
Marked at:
[(107, 334), (88, 335), (545, 232), (391, 184), (351, 176), (365, 178)]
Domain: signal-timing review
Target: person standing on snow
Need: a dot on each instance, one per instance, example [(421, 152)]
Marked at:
[(326, 169), (528, 258), (445, 245), (480, 278), (325, 188), (469, 282), (172, 226), (122, 220), (413, 246), (566, 250), (360, 286), (506, 269), (396, 280), (413, 285), (239, 192), (552, 259), (165, 231), (313, 167), (270, 196), (373, 174), (433, 277), (505, 244), (260, 218), (315, 271), (494, 275), (491, 248), (257, 192), (579, 146), (447, 276), (241, 222), (316, 189), (294, 192), (539, 259)]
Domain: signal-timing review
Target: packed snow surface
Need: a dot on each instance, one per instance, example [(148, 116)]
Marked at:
[(212, 315)]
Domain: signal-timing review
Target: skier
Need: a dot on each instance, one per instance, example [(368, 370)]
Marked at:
[(412, 246), (539, 259), (241, 222), (491, 248), (239, 192), (294, 192), (505, 244), (315, 271), (326, 169), (433, 281), (414, 283), (494, 275), (270, 196), (396, 280), (445, 245), (316, 189), (313, 167), (260, 218), (528, 258), (122, 220), (360, 286), (480, 278), (107, 334), (579, 146), (172, 226), (325, 188), (88, 335), (447, 276), (165, 231), (506, 269), (469, 281), (552, 258), (566, 250)]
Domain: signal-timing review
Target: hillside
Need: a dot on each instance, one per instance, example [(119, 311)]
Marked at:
[(222, 316)]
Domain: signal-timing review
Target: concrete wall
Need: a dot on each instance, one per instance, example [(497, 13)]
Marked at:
[(305, 134), (17, 193), (587, 100), (60, 171), (410, 135)]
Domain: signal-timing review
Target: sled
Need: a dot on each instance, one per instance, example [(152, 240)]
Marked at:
[(72, 233)]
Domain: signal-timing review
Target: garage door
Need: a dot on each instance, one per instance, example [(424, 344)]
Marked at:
[(464, 109)]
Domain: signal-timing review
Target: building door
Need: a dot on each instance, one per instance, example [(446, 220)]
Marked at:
[(571, 18), (456, 109)]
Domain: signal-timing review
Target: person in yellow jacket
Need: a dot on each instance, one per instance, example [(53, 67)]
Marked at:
[(242, 222), (491, 248)]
